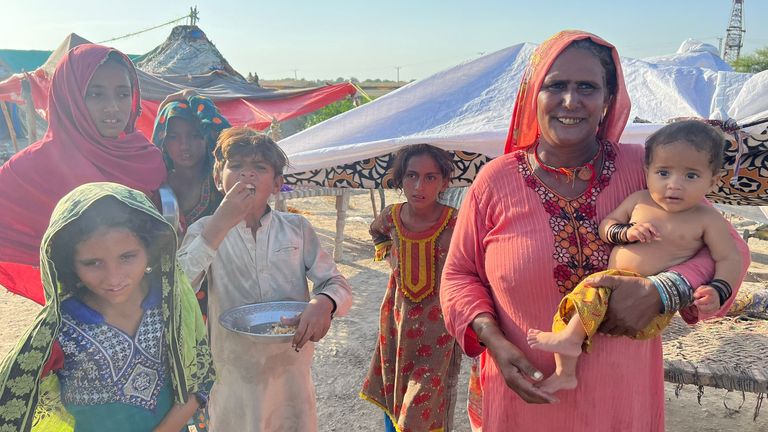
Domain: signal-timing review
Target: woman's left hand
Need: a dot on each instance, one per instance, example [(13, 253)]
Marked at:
[(313, 323), (633, 304)]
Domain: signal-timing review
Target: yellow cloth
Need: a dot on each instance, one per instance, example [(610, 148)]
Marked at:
[(591, 303)]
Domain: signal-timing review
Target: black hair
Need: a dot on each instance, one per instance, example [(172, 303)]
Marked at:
[(442, 158), (696, 133), (605, 56), (107, 212)]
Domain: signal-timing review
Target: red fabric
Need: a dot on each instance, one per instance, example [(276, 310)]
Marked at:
[(258, 113), (524, 128), (55, 361), (70, 154)]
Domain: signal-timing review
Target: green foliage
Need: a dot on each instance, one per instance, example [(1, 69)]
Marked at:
[(331, 110), (753, 63)]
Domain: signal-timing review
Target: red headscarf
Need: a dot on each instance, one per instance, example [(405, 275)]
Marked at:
[(524, 130), (71, 153)]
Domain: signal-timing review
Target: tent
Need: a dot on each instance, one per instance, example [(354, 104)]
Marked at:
[(467, 109), (187, 59)]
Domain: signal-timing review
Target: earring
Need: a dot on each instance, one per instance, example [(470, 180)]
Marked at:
[(148, 270), (79, 285)]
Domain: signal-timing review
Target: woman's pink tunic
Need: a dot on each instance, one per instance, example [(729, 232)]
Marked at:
[(502, 260)]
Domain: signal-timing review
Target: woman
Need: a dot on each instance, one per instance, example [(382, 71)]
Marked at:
[(186, 133), (93, 105), (543, 200), (79, 366)]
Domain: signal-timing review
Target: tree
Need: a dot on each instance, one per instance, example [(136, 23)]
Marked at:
[(753, 63)]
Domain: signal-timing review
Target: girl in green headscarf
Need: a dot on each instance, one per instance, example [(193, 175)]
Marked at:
[(120, 344)]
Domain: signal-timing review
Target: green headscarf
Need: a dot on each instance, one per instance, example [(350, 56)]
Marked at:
[(26, 401)]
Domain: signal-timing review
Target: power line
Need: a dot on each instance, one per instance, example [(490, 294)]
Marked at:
[(146, 30)]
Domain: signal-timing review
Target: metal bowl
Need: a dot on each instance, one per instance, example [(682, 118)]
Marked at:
[(257, 319)]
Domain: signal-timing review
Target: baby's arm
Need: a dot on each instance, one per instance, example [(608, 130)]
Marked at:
[(616, 228), (728, 264)]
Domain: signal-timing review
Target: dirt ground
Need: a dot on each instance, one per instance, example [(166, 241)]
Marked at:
[(343, 357)]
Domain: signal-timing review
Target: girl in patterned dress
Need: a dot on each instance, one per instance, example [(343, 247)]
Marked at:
[(416, 362), (120, 344)]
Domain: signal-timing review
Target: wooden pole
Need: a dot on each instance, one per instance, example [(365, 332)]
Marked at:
[(29, 105), (11, 130)]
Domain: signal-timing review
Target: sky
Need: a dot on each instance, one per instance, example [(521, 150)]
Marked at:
[(327, 39)]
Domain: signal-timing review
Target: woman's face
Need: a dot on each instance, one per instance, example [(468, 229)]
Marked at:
[(109, 99), (423, 181), (184, 143), (572, 100)]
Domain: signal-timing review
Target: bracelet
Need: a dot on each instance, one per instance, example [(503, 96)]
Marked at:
[(617, 233), (202, 398), (333, 302), (480, 327), (674, 290), (723, 288)]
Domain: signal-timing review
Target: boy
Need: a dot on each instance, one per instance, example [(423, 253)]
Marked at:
[(653, 229), (251, 254)]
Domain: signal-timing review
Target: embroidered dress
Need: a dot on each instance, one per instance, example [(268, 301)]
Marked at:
[(30, 398), (416, 362), (110, 379)]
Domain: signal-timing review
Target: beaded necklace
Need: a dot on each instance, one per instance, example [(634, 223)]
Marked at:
[(585, 172)]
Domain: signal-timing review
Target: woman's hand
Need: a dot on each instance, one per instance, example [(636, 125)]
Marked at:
[(313, 323), (634, 303), (514, 367), (179, 96)]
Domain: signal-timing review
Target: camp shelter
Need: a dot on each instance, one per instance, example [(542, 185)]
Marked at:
[(187, 59), (467, 109)]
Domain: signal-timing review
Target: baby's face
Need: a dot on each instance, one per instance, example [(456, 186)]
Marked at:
[(679, 176)]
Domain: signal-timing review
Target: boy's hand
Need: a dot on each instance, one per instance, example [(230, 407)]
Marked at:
[(313, 323), (236, 204), (642, 232), (706, 301), (233, 208)]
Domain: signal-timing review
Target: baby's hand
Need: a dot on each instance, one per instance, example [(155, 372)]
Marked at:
[(706, 301), (313, 323), (642, 232)]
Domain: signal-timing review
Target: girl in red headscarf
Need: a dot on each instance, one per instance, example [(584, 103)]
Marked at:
[(93, 105)]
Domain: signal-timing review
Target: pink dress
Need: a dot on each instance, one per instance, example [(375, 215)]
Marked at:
[(517, 248)]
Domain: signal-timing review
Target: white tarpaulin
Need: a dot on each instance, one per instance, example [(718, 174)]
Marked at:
[(468, 107)]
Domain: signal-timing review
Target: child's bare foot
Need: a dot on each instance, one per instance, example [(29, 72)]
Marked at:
[(554, 342), (557, 382)]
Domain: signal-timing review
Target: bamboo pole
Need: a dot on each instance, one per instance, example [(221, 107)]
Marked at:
[(29, 105), (8, 122)]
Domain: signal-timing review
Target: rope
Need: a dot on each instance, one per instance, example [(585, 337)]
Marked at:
[(146, 30)]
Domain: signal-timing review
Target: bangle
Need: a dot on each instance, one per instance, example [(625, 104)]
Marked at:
[(617, 233), (480, 327), (202, 398), (333, 302), (675, 292), (723, 288)]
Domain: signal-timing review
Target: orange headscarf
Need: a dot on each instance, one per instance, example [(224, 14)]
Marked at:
[(524, 130)]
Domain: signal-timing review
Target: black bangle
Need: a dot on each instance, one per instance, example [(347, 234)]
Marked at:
[(202, 399), (723, 288), (617, 233), (333, 302)]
